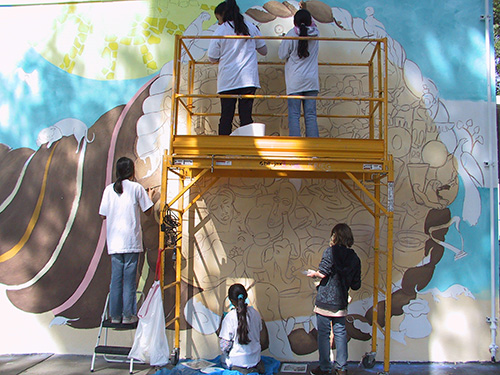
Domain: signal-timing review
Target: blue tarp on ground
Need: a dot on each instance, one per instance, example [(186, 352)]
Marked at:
[(271, 365)]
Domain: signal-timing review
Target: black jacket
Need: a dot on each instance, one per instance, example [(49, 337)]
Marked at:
[(342, 269)]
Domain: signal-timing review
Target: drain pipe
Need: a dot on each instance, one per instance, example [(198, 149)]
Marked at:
[(492, 166)]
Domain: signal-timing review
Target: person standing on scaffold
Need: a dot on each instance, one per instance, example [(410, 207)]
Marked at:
[(238, 68)]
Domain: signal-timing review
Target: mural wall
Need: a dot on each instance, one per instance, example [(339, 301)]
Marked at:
[(86, 83)]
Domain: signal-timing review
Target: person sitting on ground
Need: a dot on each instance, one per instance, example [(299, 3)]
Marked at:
[(240, 334)]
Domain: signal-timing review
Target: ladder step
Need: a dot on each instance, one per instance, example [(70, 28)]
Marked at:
[(112, 350), (121, 326)]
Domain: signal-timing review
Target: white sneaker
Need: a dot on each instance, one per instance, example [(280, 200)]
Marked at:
[(133, 319), (116, 320)]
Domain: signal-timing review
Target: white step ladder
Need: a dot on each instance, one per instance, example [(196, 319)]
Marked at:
[(111, 353)]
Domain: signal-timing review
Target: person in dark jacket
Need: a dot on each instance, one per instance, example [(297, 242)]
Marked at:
[(339, 271)]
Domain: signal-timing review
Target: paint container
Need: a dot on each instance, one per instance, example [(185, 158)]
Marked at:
[(255, 129)]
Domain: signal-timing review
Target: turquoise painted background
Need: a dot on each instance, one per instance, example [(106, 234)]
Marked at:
[(448, 45), (61, 95), (471, 271)]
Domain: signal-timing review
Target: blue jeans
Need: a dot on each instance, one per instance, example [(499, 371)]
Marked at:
[(309, 115), (340, 336), (122, 290)]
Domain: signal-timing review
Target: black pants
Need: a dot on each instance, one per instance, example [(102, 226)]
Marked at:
[(228, 106)]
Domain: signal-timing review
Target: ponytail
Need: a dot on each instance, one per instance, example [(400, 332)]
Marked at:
[(237, 295), (303, 50), (124, 170), (242, 331), (117, 186), (302, 19), (232, 13)]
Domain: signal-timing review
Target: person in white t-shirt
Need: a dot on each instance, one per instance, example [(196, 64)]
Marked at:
[(238, 68), (240, 334), (301, 73), (121, 205)]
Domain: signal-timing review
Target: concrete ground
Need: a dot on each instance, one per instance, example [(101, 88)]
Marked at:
[(52, 364)]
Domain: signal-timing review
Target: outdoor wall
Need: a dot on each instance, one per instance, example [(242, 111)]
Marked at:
[(84, 84)]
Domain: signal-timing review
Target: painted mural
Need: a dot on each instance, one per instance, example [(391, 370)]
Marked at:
[(84, 87)]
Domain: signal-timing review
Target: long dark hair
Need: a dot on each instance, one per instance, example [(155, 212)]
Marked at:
[(124, 170), (237, 295), (343, 235), (220, 9), (232, 13), (302, 19)]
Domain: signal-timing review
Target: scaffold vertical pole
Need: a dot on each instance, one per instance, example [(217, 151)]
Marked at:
[(161, 240), (388, 301), (371, 89), (178, 264), (376, 266), (385, 109), (189, 119)]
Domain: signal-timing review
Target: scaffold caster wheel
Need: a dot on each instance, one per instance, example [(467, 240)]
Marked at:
[(174, 356), (368, 360)]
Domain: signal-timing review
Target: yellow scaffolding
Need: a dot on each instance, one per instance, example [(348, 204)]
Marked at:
[(364, 162)]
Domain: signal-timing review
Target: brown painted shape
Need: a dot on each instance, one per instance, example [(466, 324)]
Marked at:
[(303, 343), (11, 163), (66, 274)]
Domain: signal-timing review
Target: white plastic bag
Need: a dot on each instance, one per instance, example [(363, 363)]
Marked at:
[(150, 341)]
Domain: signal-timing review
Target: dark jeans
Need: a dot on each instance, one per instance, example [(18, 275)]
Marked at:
[(228, 106)]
